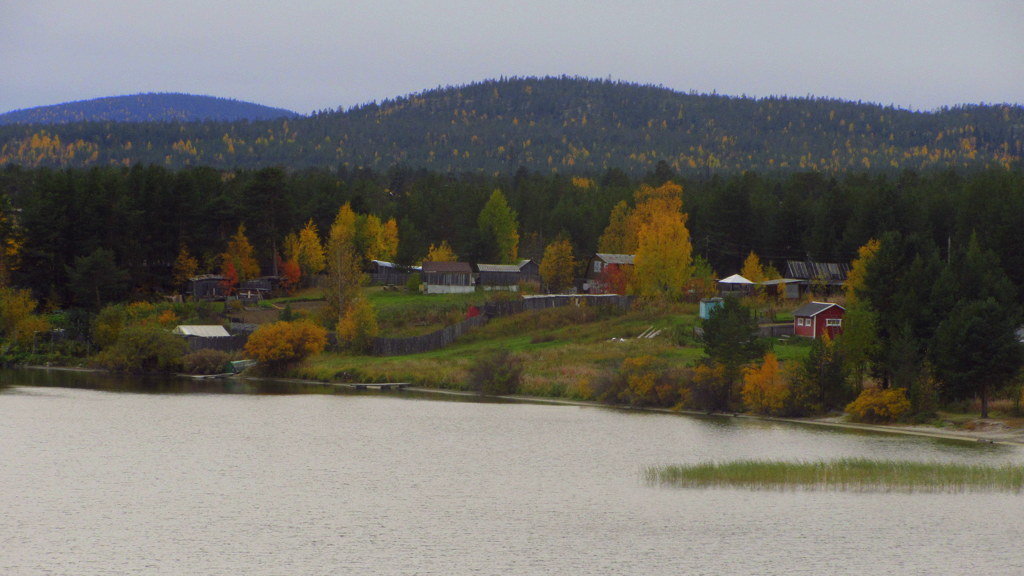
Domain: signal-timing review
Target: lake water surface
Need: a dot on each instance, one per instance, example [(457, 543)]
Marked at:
[(109, 482)]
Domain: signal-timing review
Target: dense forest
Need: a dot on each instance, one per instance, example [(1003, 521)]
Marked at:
[(554, 125), (142, 215), (146, 108)]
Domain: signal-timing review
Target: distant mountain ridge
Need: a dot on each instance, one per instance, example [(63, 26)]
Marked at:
[(555, 124), (154, 107)]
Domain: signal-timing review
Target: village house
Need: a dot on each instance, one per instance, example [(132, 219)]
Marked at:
[(498, 276), (388, 273), (508, 276), (607, 273), (787, 288), (216, 337), (817, 277), (816, 319), (257, 289), (207, 287), (448, 277), (529, 272)]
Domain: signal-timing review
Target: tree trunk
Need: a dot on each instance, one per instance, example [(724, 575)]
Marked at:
[(984, 401)]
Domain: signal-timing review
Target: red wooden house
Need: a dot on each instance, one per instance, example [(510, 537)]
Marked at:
[(817, 318), (608, 274)]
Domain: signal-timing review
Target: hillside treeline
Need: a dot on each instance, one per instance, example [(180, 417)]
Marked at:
[(559, 125), (52, 219)]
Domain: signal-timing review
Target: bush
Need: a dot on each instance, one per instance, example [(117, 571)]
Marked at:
[(143, 349), (642, 381), (358, 327), (108, 325), (413, 283), (496, 374), (710, 389), (18, 321), (877, 405), (282, 343), (765, 387), (206, 361)]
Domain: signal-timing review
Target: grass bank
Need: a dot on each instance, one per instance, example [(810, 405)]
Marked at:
[(854, 474), (563, 350)]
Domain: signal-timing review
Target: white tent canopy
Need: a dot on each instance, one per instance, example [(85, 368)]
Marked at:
[(735, 279)]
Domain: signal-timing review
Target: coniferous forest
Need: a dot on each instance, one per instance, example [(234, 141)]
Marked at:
[(143, 214), (564, 125)]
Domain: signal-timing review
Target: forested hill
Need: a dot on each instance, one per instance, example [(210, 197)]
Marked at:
[(564, 125), (146, 108)]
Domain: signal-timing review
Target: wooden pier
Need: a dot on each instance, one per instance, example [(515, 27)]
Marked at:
[(372, 385)]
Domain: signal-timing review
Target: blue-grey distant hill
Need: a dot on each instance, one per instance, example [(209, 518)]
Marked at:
[(147, 108)]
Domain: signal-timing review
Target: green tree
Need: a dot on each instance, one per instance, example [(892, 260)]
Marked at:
[(499, 230), (823, 375), (96, 279), (730, 339), (860, 339), (976, 351), (143, 349)]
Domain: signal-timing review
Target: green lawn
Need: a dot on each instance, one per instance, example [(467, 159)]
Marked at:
[(563, 350)]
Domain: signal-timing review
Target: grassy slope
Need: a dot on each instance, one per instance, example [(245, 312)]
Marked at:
[(563, 350)]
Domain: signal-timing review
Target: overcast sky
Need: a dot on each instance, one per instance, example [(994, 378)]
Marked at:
[(324, 54)]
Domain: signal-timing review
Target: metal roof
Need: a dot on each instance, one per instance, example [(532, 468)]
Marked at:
[(215, 331), (615, 258), (511, 268), (832, 272), (812, 309), (460, 267)]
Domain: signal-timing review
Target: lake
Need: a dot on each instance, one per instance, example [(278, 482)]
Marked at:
[(97, 480)]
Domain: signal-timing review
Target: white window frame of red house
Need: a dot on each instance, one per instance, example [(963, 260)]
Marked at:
[(833, 322), (597, 266)]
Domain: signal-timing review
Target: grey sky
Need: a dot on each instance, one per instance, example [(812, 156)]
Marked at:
[(322, 54)]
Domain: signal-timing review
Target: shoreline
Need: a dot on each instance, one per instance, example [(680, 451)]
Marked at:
[(1007, 438)]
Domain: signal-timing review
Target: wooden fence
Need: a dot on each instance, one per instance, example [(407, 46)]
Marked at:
[(427, 342), (445, 336), (775, 330), (530, 303)]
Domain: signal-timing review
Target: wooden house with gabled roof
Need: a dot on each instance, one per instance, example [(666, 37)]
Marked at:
[(826, 276), (448, 277), (607, 273), (815, 319)]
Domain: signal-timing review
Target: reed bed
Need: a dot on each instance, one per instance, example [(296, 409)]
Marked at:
[(852, 474)]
